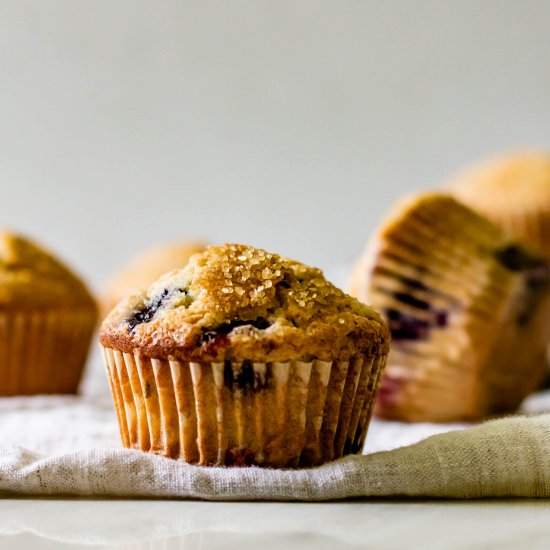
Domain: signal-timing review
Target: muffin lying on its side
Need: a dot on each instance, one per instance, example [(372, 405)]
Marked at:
[(47, 316), (467, 307), (244, 357)]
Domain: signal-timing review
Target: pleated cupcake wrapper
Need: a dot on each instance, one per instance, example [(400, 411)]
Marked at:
[(232, 413), (43, 351), (469, 360)]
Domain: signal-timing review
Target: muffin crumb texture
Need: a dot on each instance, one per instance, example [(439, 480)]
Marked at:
[(146, 268), (239, 302)]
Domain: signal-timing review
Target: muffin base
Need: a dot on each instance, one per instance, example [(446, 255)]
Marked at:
[(243, 413), (43, 352)]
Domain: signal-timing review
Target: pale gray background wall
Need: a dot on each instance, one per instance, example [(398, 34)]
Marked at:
[(287, 124)]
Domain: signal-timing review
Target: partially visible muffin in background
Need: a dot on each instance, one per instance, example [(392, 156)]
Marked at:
[(468, 309), (244, 357), (147, 268), (47, 317), (514, 192)]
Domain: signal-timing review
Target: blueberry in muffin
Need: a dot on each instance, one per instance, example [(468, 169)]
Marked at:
[(244, 357)]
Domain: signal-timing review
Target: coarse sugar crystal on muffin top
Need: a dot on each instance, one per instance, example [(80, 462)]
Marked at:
[(241, 303)]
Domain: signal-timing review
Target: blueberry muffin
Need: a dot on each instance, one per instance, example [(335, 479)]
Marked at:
[(145, 269), (47, 317), (514, 192), (244, 357), (467, 307)]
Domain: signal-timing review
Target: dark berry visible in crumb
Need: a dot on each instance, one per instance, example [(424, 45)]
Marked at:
[(538, 277), (441, 319), (516, 258), (245, 379), (147, 314), (209, 334), (406, 327)]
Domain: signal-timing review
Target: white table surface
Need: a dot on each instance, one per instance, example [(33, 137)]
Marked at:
[(37, 524)]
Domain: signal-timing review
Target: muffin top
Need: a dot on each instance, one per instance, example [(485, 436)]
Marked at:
[(147, 268), (32, 278), (236, 302), (502, 181)]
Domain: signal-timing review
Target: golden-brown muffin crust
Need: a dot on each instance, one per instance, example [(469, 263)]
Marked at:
[(513, 191), (146, 268), (237, 302), (30, 277), (503, 178)]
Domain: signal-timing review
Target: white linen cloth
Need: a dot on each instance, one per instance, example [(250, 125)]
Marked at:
[(70, 446)]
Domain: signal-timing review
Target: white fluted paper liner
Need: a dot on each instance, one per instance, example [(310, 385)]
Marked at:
[(43, 351), (271, 414)]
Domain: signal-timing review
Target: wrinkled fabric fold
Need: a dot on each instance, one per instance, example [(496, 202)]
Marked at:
[(503, 458)]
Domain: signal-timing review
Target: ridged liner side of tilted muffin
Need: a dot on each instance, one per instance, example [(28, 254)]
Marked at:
[(244, 358), (467, 307)]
